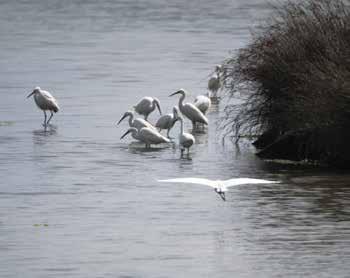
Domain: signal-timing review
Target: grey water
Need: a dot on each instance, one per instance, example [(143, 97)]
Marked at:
[(76, 201)]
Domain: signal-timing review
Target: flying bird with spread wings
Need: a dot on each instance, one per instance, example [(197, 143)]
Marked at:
[(220, 186)]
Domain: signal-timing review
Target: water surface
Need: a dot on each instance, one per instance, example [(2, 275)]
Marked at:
[(76, 201)]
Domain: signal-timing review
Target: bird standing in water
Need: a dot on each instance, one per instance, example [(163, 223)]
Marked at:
[(214, 82), (46, 102), (203, 103), (167, 121), (186, 140), (146, 135), (147, 105), (190, 110)]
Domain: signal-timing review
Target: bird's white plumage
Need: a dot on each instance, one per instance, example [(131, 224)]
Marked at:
[(203, 103), (190, 110), (138, 123), (46, 102), (214, 82), (221, 185), (149, 136), (147, 105), (167, 121), (186, 140)]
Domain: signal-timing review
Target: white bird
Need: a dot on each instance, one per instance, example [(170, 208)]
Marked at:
[(167, 121), (147, 105), (186, 140), (138, 123), (147, 135), (45, 101), (214, 82), (203, 103), (190, 110), (220, 186)]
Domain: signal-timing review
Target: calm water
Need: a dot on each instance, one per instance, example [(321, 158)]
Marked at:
[(76, 201)]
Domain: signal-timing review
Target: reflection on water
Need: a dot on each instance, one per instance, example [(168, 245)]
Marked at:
[(105, 213)]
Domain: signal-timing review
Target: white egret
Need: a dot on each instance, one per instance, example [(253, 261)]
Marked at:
[(214, 82), (186, 140), (135, 122), (203, 103), (190, 110), (220, 186), (167, 121), (147, 135), (147, 105), (45, 101)]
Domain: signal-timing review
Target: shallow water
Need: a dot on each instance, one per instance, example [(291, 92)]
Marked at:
[(76, 201)]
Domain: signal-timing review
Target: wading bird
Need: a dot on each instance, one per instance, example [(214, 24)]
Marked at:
[(203, 103), (214, 82), (190, 110), (186, 140), (135, 122), (167, 121), (220, 186), (45, 101), (147, 135), (147, 105)]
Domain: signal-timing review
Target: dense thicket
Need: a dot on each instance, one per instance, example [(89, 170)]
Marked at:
[(295, 80)]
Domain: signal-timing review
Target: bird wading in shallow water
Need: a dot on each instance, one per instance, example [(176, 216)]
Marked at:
[(167, 121), (46, 102), (147, 135), (147, 105), (186, 140), (138, 123), (220, 186), (190, 110), (214, 83), (203, 103)]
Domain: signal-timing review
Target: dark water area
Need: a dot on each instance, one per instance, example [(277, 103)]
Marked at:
[(76, 201)]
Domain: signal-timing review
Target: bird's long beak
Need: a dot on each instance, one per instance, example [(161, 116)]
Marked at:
[(30, 94), (124, 116), (173, 94), (126, 133)]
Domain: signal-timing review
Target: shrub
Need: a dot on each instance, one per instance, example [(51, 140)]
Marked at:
[(295, 76)]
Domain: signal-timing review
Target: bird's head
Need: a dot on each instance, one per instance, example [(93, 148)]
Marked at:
[(131, 129), (157, 103), (181, 92), (218, 68), (126, 114), (35, 91)]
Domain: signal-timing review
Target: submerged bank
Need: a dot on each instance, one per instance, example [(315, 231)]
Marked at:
[(294, 77)]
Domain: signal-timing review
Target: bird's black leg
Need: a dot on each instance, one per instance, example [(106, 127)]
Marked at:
[(50, 118), (45, 117), (222, 195)]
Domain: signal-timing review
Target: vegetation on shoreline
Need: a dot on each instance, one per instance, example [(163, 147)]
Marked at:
[(294, 77)]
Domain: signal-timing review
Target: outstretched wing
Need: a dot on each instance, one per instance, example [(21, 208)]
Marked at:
[(239, 181), (192, 180)]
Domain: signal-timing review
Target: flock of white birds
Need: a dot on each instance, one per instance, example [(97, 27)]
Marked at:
[(142, 130)]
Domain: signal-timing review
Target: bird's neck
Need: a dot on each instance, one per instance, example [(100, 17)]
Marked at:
[(182, 126), (181, 101), (131, 119)]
